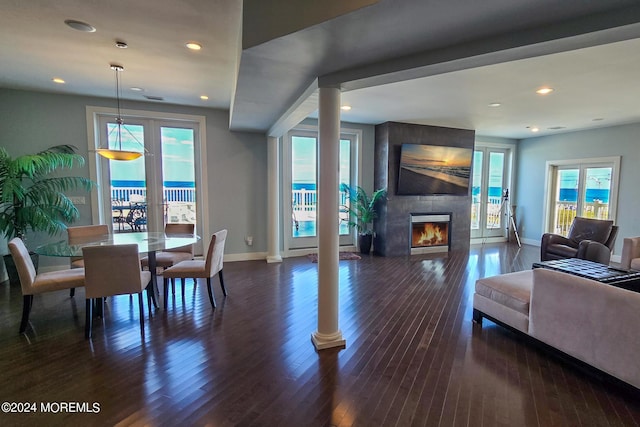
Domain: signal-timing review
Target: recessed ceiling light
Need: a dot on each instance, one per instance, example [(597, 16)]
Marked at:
[(136, 89), (58, 80), (535, 129), (544, 91), (80, 26), (204, 97), (194, 46), (121, 45), (557, 127), (495, 104), (597, 119), (345, 107)]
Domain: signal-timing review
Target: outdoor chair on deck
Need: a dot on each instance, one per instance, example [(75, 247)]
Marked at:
[(112, 270), (33, 283), (204, 269)]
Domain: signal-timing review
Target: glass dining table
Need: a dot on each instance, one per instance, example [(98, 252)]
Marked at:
[(148, 242)]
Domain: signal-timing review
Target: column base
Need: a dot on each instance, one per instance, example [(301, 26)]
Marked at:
[(273, 259), (324, 341)]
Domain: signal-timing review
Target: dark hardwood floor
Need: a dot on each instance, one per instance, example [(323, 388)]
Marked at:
[(413, 356)]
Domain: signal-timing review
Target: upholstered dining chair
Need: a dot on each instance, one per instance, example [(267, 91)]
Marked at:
[(169, 257), (202, 269), (82, 232), (112, 270), (33, 283)]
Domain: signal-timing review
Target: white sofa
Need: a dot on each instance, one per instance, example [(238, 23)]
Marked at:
[(630, 258), (590, 321)]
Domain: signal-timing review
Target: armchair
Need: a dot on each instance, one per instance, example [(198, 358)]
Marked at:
[(630, 253), (582, 233)]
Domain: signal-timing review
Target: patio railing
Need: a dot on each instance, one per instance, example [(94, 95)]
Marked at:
[(169, 194), (566, 211), (305, 201)]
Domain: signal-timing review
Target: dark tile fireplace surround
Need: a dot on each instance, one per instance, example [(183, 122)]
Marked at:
[(394, 235)]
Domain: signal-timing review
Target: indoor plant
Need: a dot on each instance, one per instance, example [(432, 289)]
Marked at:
[(362, 212), (31, 199)]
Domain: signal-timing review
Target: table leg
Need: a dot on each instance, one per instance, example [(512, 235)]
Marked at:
[(153, 269)]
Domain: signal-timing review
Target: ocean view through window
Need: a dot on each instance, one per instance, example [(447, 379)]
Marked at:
[(175, 191)]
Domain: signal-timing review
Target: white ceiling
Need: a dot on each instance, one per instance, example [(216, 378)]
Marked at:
[(258, 83)]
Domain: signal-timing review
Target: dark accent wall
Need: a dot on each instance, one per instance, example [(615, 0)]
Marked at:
[(393, 223)]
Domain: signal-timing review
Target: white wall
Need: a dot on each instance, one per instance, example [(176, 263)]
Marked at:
[(533, 153)]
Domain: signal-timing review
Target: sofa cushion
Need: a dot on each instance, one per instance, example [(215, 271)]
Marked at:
[(512, 290), (635, 264)]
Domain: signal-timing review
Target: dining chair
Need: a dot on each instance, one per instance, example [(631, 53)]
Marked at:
[(33, 283), (81, 232), (169, 257), (112, 270), (78, 233), (202, 269)]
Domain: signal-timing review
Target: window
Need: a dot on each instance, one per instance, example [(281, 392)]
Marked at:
[(163, 187), (490, 184), (586, 188), (300, 185)]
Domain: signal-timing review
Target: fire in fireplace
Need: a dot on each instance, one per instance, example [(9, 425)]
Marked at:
[(430, 233)]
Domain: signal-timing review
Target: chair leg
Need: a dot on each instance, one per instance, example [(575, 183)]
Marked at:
[(212, 300), (27, 302), (165, 291), (224, 290), (88, 318), (141, 305), (148, 300), (72, 292)]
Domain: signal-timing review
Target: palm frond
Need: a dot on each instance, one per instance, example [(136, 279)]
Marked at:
[(31, 199), (361, 207)]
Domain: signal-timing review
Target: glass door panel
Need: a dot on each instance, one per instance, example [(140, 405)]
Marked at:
[(595, 200), (178, 175), (303, 186), (476, 190), (345, 178), (495, 213), (302, 152), (490, 171), (128, 196), (566, 199)]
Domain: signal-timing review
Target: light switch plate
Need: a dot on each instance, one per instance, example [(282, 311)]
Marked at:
[(78, 200)]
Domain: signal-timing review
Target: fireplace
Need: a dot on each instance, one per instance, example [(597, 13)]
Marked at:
[(430, 233)]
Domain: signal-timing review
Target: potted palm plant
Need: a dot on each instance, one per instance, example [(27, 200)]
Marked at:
[(361, 209), (31, 199)]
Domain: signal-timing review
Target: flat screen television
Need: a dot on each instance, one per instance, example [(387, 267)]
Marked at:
[(434, 169)]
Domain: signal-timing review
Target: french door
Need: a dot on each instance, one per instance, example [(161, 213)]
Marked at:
[(157, 188), (490, 198), (300, 177), (581, 188)]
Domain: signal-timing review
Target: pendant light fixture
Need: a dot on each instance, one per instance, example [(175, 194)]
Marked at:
[(119, 153)]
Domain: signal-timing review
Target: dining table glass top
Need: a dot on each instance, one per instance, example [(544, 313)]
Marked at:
[(147, 242)]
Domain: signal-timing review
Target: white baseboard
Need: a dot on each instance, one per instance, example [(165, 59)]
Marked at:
[(532, 242), (247, 256)]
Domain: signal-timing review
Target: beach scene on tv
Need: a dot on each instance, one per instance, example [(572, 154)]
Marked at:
[(430, 169)]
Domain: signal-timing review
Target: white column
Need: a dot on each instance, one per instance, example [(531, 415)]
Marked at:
[(328, 334), (273, 208)]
